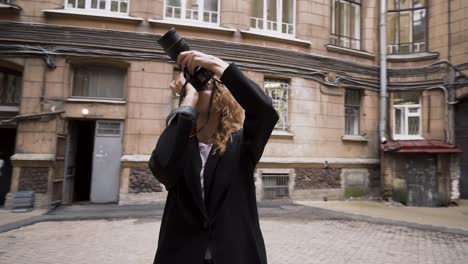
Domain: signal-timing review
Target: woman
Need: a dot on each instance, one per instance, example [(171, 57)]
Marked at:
[(211, 211)]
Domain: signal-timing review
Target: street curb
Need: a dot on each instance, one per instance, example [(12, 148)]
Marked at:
[(338, 215), (329, 215)]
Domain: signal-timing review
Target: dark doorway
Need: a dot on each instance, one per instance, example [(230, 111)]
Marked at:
[(7, 149), (461, 139), (83, 159)]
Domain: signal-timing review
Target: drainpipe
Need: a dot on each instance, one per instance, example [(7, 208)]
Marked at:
[(383, 72), (385, 181)]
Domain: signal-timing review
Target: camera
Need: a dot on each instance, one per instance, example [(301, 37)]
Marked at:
[(173, 44)]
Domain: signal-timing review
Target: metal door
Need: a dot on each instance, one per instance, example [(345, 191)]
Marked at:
[(461, 139), (106, 162), (69, 166)]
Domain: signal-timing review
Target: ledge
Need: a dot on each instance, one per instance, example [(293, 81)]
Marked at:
[(298, 160), (355, 138), (283, 38), (87, 13), (358, 53), (89, 100), (8, 108), (33, 157), (407, 138), (135, 158), (194, 25), (282, 134), (10, 8), (412, 57)]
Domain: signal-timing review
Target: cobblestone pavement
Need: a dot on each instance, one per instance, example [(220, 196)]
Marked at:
[(288, 240)]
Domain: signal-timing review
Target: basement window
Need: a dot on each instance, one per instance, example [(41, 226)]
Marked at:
[(275, 185)]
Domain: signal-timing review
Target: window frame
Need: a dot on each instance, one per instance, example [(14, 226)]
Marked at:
[(336, 20), (398, 45), (283, 121), (358, 107), (17, 74), (183, 10), (279, 19), (107, 11), (404, 123), (104, 65)]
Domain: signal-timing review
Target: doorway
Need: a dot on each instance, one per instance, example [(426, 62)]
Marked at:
[(83, 158), (92, 162), (7, 149), (461, 139)]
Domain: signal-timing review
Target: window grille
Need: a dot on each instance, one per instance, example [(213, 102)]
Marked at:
[(10, 87), (275, 185), (108, 128), (352, 111), (278, 90)]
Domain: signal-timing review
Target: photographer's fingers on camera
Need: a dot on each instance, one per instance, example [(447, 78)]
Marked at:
[(191, 59), (177, 83)]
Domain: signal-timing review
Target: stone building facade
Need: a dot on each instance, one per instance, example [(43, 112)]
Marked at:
[(85, 94)]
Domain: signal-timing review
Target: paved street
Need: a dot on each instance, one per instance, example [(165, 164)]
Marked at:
[(292, 236)]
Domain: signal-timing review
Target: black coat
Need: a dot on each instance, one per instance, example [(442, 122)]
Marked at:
[(227, 219)]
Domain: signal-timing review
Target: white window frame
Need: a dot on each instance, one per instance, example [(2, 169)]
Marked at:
[(404, 121), (279, 19), (107, 11), (283, 122), (183, 9)]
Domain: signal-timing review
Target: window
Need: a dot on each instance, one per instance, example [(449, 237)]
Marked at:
[(345, 23), (278, 91), (275, 185), (97, 81), (406, 26), (276, 16), (10, 87), (352, 111), (202, 11), (119, 7), (407, 115)]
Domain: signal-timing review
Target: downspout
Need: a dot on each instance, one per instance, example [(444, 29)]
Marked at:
[(386, 187), (383, 72)]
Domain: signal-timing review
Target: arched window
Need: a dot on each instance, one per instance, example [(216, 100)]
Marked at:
[(406, 26)]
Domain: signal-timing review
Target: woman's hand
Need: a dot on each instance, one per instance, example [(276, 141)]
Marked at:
[(191, 59), (191, 95)]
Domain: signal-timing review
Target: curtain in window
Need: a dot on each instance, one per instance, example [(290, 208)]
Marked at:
[(272, 15), (99, 81), (288, 17)]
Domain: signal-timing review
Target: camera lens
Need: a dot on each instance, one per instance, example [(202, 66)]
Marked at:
[(173, 44)]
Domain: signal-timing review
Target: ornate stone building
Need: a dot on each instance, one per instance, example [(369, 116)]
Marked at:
[(84, 95)]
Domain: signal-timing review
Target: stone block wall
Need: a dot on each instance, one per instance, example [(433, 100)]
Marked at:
[(314, 178), (143, 181), (33, 179)]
